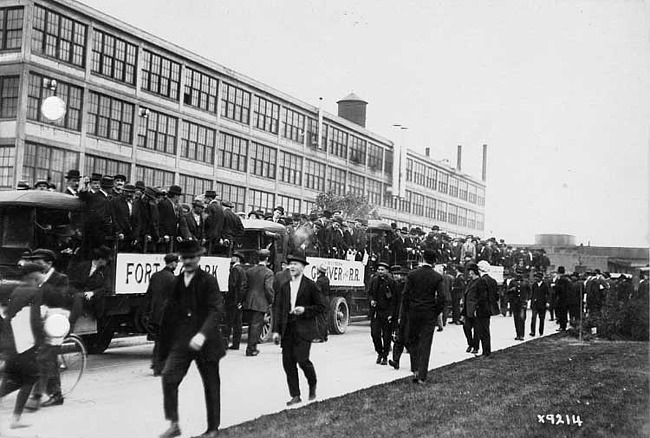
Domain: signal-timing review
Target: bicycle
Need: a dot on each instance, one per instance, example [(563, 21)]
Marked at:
[(71, 361)]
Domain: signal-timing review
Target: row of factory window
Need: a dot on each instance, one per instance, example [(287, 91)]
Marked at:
[(431, 178), (51, 163), (64, 39)]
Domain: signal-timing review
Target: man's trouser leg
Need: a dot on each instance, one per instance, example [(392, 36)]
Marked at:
[(234, 325), (455, 306), (542, 316), (483, 334), (255, 330), (176, 366), (561, 315), (468, 329), (422, 328), (209, 371), (533, 320)]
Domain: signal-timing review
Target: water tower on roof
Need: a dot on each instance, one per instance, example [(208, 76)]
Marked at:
[(353, 108)]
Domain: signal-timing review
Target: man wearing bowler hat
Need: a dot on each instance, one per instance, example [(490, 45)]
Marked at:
[(190, 332), (72, 182), (119, 181), (296, 306)]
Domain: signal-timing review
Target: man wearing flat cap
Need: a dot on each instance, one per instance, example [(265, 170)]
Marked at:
[(383, 303), (160, 287), (190, 333), (169, 212), (296, 306), (259, 298)]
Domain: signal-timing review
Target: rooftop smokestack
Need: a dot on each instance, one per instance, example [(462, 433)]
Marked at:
[(353, 108), (459, 158), (427, 151), (484, 175)]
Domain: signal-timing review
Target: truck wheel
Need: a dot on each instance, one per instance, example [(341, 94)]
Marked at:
[(98, 342), (267, 328), (339, 315)]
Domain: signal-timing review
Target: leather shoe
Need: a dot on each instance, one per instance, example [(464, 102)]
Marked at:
[(474, 351), (394, 364), (233, 347), (531, 334), (294, 401), (312, 393), (253, 353), (384, 361), (55, 400), (469, 350), (415, 377), (439, 329), (208, 434), (33, 404), (173, 431), (378, 360)]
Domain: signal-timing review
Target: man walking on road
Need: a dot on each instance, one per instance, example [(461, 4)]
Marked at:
[(518, 294), (190, 332), (259, 299), (322, 320), (295, 309), (423, 300), (383, 302), (538, 302), (237, 288), (562, 291)]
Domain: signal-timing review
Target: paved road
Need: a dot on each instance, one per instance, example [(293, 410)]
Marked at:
[(118, 396)]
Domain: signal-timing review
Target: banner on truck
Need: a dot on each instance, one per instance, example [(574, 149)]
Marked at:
[(339, 272), (133, 271)]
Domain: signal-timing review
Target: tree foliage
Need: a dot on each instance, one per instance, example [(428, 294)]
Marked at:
[(350, 205)]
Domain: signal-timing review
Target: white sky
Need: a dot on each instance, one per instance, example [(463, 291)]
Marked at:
[(557, 89)]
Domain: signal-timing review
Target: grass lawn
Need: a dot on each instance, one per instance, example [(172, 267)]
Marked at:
[(603, 383)]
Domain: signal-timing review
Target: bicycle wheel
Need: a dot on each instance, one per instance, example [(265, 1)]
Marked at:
[(71, 363)]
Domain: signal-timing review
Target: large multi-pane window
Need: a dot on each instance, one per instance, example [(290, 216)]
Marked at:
[(453, 186), (197, 142), (452, 214), (471, 219), (158, 132), (481, 196), (462, 190), (419, 173), (442, 211), (443, 182), (290, 168), (234, 194), (160, 75), (472, 193), (233, 152), (355, 184), (462, 216), (404, 204), (193, 186), (235, 103), (259, 200), (154, 177), (312, 134), (480, 221), (373, 191), (308, 206), (262, 160), (431, 178), (48, 163), (357, 150), (7, 162), (200, 90), (58, 36), (336, 180), (375, 156), (417, 207), (266, 115), (337, 142), (430, 208), (314, 175), (113, 57), (293, 125), (70, 94), (110, 118), (105, 166), (9, 96), (388, 163), (291, 205), (11, 28), (409, 170)]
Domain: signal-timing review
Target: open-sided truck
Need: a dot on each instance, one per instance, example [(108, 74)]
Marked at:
[(26, 218)]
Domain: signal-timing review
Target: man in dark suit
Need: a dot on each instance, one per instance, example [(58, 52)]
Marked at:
[(383, 301), (123, 219), (91, 281), (190, 225), (156, 298), (237, 288), (214, 221), (518, 295), (259, 299), (322, 320), (233, 228), (562, 292), (146, 212), (457, 290), (98, 214), (538, 302), (477, 310), (72, 179), (295, 309), (190, 332), (168, 211), (423, 299)]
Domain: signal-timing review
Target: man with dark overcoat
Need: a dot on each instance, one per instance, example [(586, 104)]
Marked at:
[(383, 302), (190, 332), (123, 218), (295, 309), (322, 319), (156, 298), (258, 299), (91, 281), (562, 291), (538, 301), (423, 299), (168, 211), (518, 295), (237, 288), (214, 221), (190, 225)]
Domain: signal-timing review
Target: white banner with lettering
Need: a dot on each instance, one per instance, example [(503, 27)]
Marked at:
[(133, 271), (339, 272)]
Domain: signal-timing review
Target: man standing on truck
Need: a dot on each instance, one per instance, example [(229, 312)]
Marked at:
[(295, 309), (383, 301), (190, 332), (259, 299)]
